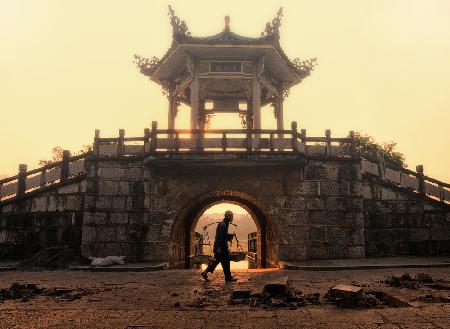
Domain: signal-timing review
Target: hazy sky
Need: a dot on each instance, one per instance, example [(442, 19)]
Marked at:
[(66, 69)]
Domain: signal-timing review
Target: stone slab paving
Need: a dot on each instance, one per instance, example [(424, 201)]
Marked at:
[(170, 299)]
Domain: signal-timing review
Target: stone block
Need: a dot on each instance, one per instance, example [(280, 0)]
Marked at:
[(52, 203), (318, 251), (336, 235), (2, 236), (122, 233), (107, 187), (295, 217), (387, 194), (119, 203), (335, 203), (354, 252), (332, 188), (104, 202), (419, 234), (284, 252), (440, 232), (68, 189), (355, 235), (315, 172), (316, 233), (89, 234), (355, 188), (353, 203), (39, 204), (124, 188), (314, 203), (337, 251), (73, 202), (83, 184), (305, 187), (119, 218), (111, 173), (366, 192), (106, 233), (134, 173), (157, 216), (326, 218), (298, 252)]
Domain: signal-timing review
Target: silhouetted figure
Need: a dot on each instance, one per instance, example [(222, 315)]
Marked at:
[(221, 252)]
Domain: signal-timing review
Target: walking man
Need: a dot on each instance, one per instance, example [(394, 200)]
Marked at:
[(221, 252)]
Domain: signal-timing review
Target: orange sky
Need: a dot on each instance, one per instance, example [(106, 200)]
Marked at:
[(66, 69)]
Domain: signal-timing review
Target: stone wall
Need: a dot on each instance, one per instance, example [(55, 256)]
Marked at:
[(313, 208), (401, 222), (45, 219)]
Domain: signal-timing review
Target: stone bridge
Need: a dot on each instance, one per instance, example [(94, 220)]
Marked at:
[(310, 197)]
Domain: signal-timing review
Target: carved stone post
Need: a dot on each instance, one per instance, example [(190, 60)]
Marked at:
[(294, 136), (328, 142), (352, 144), (147, 136), (96, 146), (121, 142), (22, 175), (421, 177), (65, 165), (303, 133), (153, 135), (381, 164)]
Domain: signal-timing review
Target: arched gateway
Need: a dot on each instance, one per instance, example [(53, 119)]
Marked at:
[(184, 226), (311, 197)]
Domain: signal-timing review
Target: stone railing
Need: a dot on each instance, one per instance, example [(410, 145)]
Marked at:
[(28, 181), (223, 140), (413, 180)]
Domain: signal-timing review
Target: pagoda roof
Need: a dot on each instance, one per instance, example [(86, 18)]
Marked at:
[(184, 43)]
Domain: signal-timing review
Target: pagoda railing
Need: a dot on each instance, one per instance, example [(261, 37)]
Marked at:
[(223, 140)]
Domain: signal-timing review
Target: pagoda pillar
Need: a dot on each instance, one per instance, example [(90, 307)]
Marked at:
[(172, 111), (279, 113), (256, 103), (194, 98)]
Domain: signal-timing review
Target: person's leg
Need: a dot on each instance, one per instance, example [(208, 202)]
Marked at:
[(212, 266), (225, 261)]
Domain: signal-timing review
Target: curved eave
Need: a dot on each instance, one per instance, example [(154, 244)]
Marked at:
[(277, 63)]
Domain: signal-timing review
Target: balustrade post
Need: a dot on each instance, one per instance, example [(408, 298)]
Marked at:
[(352, 143), (146, 140), (381, 164), (199, 140), (224, 142), (328, 142), (421, 177), (21, 179), (96, 146), (121, 142), (441, 193), (249, 142), (65, 166), (42, 178), (154, 133), (294, 136), (303, 133), (176, 142), (272, 142)]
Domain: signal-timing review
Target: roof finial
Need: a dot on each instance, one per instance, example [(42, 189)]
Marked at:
[(272, 28), (227, 22), (179, 26)]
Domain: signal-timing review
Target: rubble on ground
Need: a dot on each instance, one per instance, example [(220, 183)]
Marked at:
[(407, 281), (351, 296), (24, 292), (277, 294), (52, 258), (431, 298)]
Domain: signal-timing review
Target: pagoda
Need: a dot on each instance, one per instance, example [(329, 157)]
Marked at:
[(225, 73)]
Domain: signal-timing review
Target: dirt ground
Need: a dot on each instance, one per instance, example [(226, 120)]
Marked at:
[(181, 299)]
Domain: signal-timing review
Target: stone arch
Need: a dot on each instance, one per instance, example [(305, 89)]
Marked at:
[(184, 226)]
